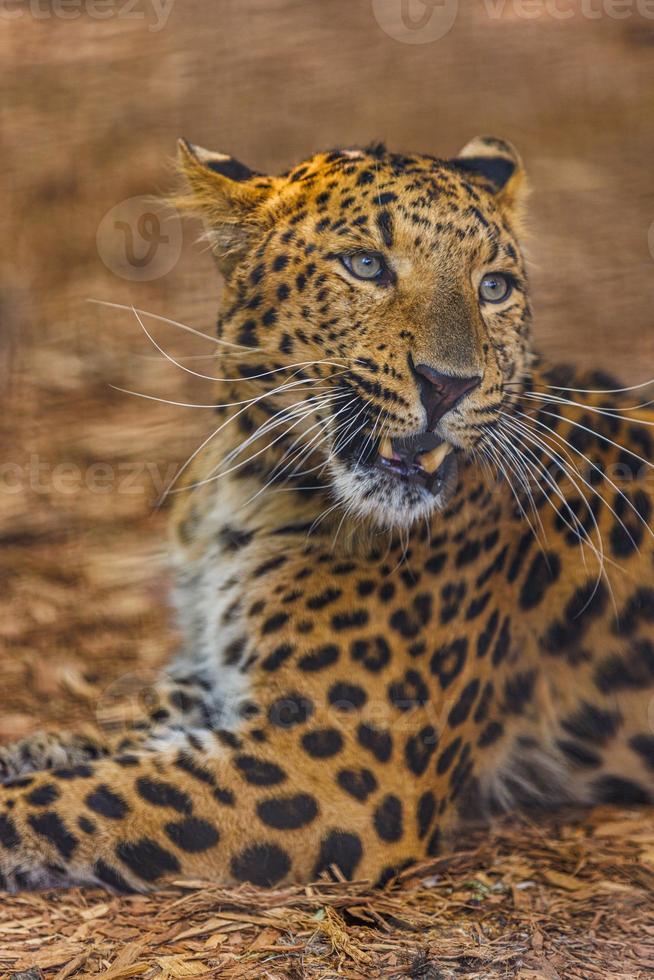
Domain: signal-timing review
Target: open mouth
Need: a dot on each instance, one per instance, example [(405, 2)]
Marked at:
[(421, 460)]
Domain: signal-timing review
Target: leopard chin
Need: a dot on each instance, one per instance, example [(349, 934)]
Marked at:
[(391, 494)]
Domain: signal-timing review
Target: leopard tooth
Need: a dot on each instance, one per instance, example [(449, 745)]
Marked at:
[(432, 460), (386, 448)]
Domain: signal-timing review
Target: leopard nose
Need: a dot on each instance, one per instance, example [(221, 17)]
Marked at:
[(439, 393)]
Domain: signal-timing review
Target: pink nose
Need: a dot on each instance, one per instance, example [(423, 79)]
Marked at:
[(439, 393)]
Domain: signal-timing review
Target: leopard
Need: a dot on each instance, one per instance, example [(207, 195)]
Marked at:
[(413, 560)]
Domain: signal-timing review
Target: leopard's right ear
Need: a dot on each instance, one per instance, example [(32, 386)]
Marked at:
[(228, 196)]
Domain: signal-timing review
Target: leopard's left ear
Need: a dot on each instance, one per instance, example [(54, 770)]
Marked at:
[(497, 165)]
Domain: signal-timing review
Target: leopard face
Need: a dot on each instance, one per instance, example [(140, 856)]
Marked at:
[(391, 289)]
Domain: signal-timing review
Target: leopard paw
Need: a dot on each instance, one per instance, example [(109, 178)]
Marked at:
[(47, 750)]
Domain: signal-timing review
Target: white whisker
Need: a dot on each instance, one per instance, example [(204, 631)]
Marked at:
[(563, 440), (174, 323), (610, 413), (245, 405), (596, 391)]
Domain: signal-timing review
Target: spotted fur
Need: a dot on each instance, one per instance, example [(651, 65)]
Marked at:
[(369, 659)]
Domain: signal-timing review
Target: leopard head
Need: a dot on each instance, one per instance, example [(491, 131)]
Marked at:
[(389, 292)]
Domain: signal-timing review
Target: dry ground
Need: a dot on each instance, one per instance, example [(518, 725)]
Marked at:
[(90, 110), (570, 902)]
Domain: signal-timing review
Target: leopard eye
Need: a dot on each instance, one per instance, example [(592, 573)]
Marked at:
[(366, 265), (495, 287)]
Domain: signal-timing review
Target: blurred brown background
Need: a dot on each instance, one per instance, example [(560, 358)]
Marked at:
[(93, 96)]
